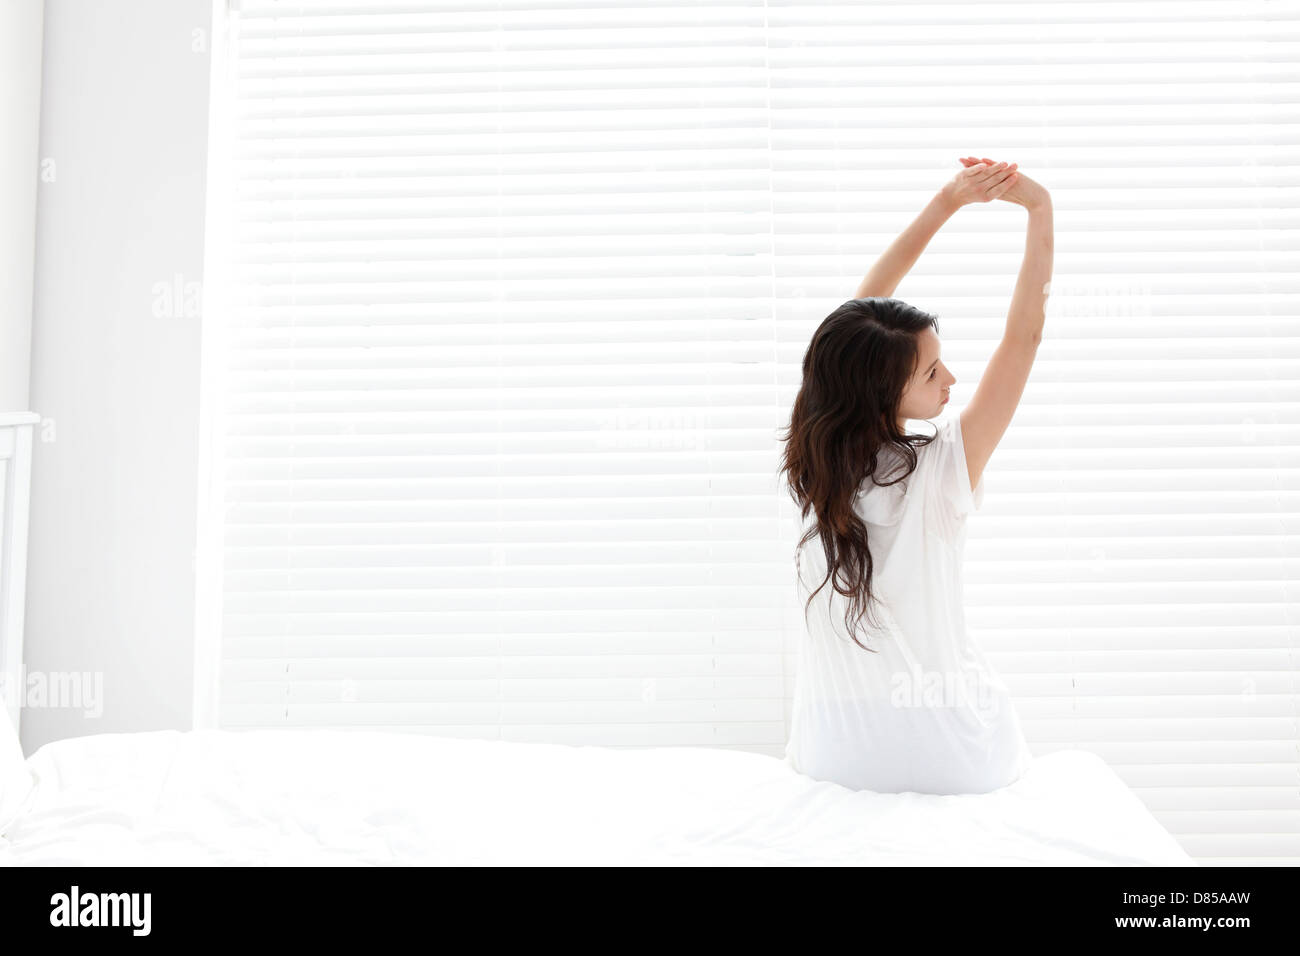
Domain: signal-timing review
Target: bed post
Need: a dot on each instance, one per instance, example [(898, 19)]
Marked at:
[(15, 493)]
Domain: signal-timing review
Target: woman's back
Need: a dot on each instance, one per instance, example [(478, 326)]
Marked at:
[(927, 712)]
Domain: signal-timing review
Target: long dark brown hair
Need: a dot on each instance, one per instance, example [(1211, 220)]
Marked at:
[(854, 374)]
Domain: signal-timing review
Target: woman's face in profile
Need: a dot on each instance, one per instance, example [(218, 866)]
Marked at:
[(927, 390)]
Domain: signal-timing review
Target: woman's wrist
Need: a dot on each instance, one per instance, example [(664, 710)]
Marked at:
[(946, 202)]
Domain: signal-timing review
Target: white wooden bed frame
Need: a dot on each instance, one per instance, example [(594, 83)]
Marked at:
[(15, 494)]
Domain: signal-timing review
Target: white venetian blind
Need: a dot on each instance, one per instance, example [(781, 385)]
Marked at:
[(503, 386), (518, 293)]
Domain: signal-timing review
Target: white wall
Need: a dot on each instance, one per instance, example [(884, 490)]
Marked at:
[(110, 576), (20, 102)]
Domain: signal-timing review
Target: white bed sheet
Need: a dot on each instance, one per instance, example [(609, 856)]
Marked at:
[(309, 797)]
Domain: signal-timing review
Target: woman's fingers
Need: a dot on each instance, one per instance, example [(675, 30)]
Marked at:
[(997, 191), (975, 160), (993, 174), (986, 179), (997, 184)]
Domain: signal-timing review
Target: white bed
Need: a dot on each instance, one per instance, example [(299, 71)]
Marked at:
[(357, 797), (371, 798)]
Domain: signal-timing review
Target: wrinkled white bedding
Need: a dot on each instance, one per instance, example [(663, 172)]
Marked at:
[(357, 797)]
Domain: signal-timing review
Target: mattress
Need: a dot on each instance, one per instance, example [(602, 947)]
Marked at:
[(366, 798)]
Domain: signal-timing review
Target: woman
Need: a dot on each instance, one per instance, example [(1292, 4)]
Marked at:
[(892, 694)]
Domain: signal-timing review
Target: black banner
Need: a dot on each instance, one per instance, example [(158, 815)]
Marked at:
[(909, 906)]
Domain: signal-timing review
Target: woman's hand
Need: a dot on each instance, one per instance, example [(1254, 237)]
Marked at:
[(981, 182), (1020, 189)]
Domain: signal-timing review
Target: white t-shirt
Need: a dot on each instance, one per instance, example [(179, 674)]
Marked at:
[(927, 713)]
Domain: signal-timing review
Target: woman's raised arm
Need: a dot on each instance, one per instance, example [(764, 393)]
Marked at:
[(985, 418), (976, 183)]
